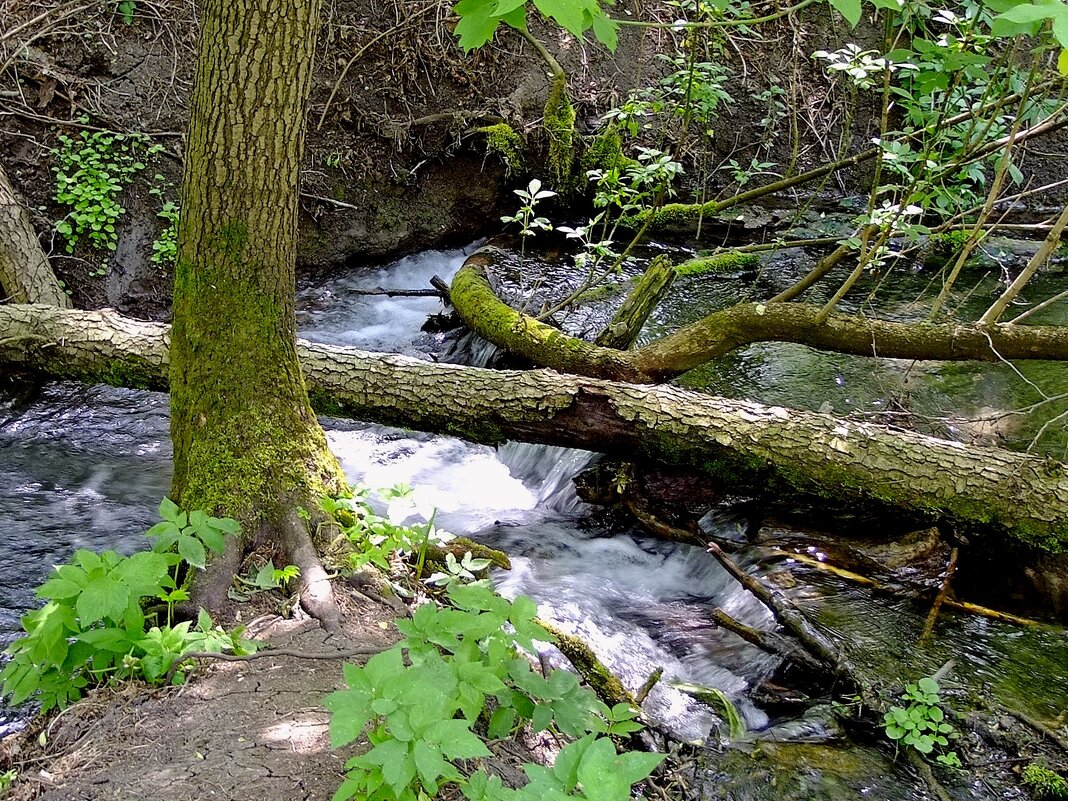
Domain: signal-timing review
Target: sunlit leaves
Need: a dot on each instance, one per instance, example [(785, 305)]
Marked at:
[(92, 627), (479, 19)]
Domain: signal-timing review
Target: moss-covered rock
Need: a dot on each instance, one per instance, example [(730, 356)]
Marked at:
[(559, 122), (507, 143)]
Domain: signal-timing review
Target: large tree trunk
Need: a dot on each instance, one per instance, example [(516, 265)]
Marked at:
[(245, 438), (25, 273), (736, 441)]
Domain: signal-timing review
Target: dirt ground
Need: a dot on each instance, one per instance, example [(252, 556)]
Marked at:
[(254, 729)]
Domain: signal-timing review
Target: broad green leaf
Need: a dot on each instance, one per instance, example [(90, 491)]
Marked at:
[(142, 572), (192, 550), (599, 773), (430, 764), (501, 722), (605, 29), (850, 9), (103, 597), (456, 740), (226, 525), (168, 509), (210, 536), (58, 588), (166, 533), (568, 13), (477, 23), (87, 560), (567, 761), (1062, 62), (384, 666), (350, 714), (637, 765)]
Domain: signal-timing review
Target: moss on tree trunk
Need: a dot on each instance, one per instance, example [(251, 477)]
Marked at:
[(245, 438)]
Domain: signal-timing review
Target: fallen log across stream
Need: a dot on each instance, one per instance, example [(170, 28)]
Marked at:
[(738, 443)]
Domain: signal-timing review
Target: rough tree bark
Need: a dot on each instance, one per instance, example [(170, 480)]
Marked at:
[(246, 441), (743, 324), (736, 441), (24, 270)]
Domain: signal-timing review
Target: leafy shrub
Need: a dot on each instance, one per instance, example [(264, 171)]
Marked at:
[(92, 626), (424, 697)]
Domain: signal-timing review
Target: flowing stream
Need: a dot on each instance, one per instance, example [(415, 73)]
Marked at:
[(86, 467)]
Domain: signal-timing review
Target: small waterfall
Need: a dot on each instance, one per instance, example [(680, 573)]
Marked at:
[(551, 470), (471, 349)]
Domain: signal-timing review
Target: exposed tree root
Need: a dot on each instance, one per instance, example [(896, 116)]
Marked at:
[(315, 591)]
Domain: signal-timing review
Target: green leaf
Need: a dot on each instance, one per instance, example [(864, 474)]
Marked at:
[(606, 31), (1062, 62), (568, 13), (456, 740), (477, 23), (103, 597), (210, 536), (58, 588), (166, 533), (501, 722), (143, 572), (350, 713), (87, 560), (542, 717), (192, 550), (168, 509), (429, 763), (567, 761), (850, 9), (637, 765), (598, 772), (226, 525), (928, 685)]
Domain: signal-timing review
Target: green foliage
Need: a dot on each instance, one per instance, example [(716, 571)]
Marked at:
[(922, 724), (92, 170), (126, 9), (7, 778), (462, 570), (93, 624), (376, 539), (165, 248), (1044, 781), (423, 698), (529, 222), (479, 19)]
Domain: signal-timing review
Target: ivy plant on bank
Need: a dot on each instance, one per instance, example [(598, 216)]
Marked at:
[(94, 626), (92, 171)]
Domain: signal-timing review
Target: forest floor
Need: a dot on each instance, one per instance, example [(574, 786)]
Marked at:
[(253, 729)]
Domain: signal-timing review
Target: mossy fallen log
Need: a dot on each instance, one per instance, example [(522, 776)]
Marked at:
[(737, 443), (735, 327)]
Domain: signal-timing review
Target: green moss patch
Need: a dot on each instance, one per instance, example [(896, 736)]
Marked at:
[(728, 262)]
